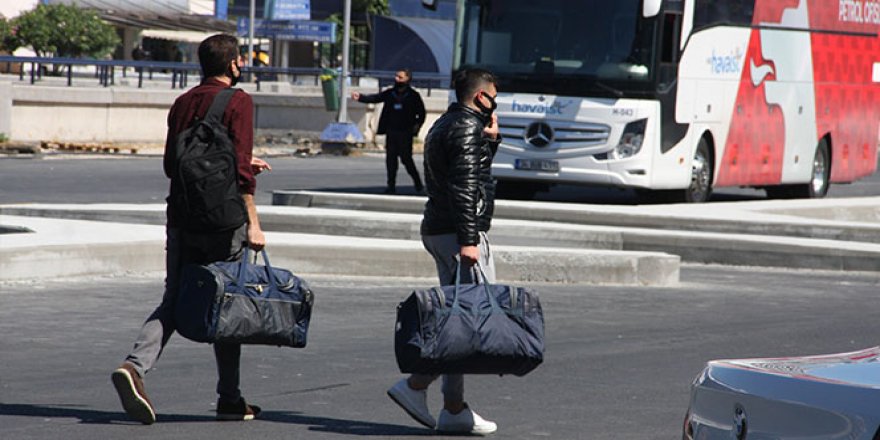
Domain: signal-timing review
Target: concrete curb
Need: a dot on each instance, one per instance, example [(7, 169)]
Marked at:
[(54, 261), (805, 234), (793, 218), (690, 246), (60, 248)]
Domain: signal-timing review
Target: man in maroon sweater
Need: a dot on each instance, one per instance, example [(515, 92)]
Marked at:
[(220, 63)]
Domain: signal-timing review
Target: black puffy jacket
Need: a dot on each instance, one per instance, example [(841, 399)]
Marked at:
[(461, 190)]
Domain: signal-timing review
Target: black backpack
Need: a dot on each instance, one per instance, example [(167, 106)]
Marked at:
[(206, 173)]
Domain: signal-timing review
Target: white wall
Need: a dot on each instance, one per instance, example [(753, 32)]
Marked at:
[(33, 113)]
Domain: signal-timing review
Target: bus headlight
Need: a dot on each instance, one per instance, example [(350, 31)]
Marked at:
[(631, 141)]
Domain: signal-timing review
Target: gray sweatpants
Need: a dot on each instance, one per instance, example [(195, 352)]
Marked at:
[(444, 248), (183, 248)]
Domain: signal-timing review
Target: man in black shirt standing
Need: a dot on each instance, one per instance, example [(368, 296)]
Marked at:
[(402, 116)]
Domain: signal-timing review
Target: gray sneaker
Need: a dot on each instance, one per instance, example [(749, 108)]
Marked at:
[(465, 422), (414, 402)]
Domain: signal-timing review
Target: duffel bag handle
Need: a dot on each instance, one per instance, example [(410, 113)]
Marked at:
[(492, 301), (243, 265)]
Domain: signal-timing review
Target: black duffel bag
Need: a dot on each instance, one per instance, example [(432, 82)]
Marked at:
[(470, 329), (239, 302)]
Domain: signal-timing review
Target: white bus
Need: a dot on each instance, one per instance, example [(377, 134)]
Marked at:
[(675, 98)]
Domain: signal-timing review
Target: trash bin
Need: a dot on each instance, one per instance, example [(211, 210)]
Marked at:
[(330, 86)]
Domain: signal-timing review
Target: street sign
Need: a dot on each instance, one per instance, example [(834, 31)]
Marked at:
[(288, 9), (290, 30)]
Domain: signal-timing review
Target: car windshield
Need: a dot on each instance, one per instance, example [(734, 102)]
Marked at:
[(533, 41)]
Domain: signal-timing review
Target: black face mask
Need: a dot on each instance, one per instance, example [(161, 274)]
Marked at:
[(400, 85), (235, 78), (487, 111)]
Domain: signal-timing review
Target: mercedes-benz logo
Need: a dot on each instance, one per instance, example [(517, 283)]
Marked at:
[(539, 134)]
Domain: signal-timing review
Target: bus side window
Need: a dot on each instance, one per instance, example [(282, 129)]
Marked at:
[(671, 35), (669, 49)]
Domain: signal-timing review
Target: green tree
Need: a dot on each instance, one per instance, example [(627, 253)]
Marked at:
[(65, 31), (8, 40), (360, 34), (371, 7), (360, 7)]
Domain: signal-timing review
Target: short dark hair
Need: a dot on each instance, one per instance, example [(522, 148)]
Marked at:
[(215, 53), (468, 81), (407, 72)]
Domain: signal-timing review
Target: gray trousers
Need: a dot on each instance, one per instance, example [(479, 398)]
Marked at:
[(183, 248), (444, 248)]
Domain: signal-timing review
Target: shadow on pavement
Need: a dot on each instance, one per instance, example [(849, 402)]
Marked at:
[(407, 190), (571, 194), (320, 424), (88, 416), (345, 426)]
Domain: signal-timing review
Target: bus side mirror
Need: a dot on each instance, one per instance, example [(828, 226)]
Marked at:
[(432, 4), (649, 9)]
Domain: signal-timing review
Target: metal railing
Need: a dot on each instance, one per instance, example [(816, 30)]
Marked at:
[(105, 72), (423, 80)]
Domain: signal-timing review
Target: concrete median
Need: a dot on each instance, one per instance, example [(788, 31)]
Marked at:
[(694, 246), (856, 219), (67, 247), (832, 234)]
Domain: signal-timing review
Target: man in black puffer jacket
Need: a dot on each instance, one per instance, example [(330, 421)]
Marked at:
[(461, 195)]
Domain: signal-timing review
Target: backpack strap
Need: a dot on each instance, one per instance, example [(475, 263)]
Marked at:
[(218, 106), (214, 115)]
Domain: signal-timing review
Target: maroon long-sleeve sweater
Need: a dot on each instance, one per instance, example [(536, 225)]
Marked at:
[(238, 118)]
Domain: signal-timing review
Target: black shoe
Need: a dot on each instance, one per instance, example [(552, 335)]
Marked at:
[(390, 190), (238, 411)]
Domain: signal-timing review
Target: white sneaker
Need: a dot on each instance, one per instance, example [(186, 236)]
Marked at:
[(414, 402), (467, 421)]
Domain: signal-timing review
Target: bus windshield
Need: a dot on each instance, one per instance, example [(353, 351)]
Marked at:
[(576, 48)]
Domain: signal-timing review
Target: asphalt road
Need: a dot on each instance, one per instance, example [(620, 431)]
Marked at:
[(619, 360), (126, 179)]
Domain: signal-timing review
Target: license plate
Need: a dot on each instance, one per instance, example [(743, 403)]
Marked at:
[(537, 165)]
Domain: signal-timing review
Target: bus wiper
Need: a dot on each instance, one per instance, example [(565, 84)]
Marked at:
[(608, 88)]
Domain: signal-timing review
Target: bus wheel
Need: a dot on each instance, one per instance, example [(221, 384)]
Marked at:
[(701, 178), (515, 190), (701, 175), (700, 186), (820, 179)]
